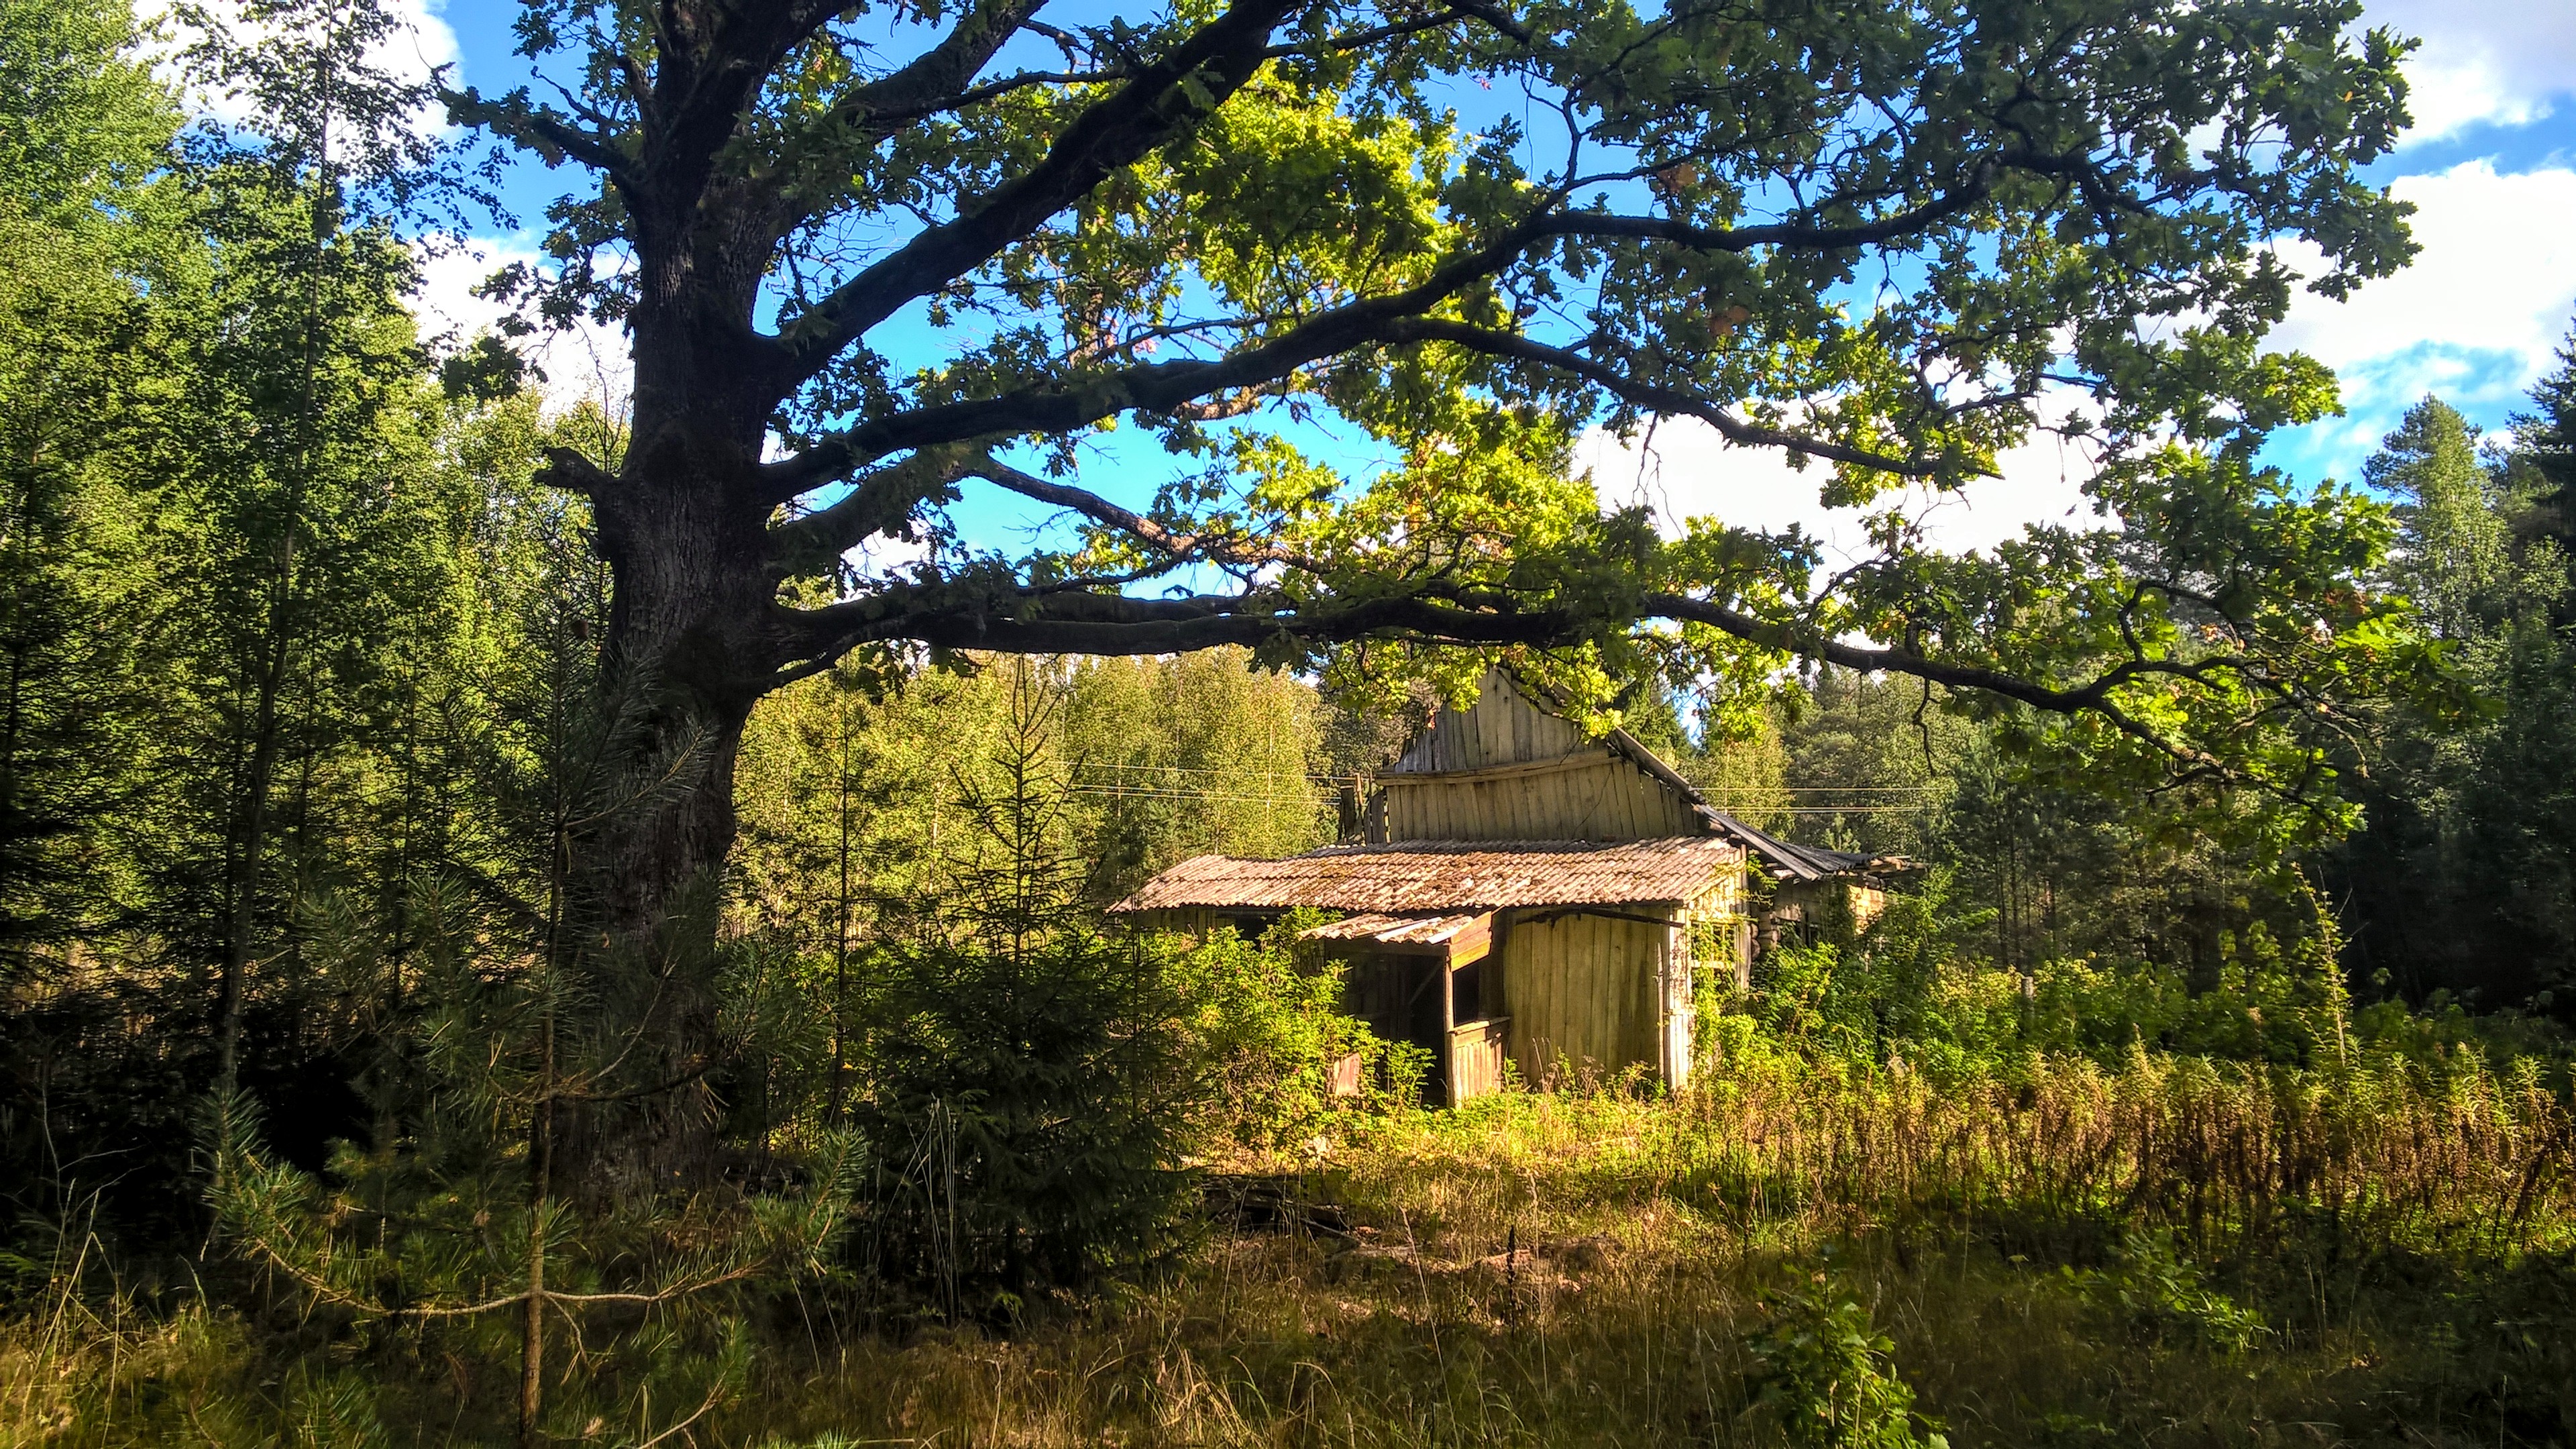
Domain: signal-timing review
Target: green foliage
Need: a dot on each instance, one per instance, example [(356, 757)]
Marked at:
[(237, 589), (1265, 1029), (1298, 200), (1029, 1082), (849, 783), (78, 322), (1025, 1111), (2151, 1290), (1025, 1073), (310, 718), (1829, 1378), (2461, 882), (1913, 993), (2454, 559)]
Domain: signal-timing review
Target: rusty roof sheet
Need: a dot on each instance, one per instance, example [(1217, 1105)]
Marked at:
[(1422, 876), (1394, 930)]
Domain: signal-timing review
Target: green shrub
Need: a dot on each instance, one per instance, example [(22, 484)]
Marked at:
[(1829, 1379), (1024, 1108), (1911, 993), (2155, 1292), (1263, 1027)]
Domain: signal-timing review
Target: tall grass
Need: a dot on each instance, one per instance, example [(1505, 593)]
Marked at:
[(2381, 1251), (2378, 1152)]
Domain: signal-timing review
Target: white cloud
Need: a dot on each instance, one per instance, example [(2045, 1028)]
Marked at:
[(2477, 315), (2499, 61), (586, 362), (1687, 470), (420, 42), (882, 559)]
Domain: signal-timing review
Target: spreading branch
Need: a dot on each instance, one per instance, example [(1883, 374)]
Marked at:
[(1392, 318), (1120, 129), (1670, 402)]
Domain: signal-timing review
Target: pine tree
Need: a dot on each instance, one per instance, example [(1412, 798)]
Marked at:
[(2544, 449), (2455, 552), (1026, 1073)]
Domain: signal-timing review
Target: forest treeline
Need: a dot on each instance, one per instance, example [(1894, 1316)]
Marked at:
[(301, 719)]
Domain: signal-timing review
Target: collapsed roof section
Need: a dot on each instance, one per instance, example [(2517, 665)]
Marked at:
[(1422, 877), (1783, 858)]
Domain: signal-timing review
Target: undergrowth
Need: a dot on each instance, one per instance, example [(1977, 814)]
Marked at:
[(1792, 1253)]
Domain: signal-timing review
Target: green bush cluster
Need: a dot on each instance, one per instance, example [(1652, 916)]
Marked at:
[(1829, 1378), (2152, 1290), (1265, 1026), (1912, 993), (1030, 1110)]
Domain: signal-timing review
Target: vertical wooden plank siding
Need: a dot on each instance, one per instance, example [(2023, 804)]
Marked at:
[(1675, 1009), (1610, 800), (1502, 727), (1584, 990), (1476, 1056)]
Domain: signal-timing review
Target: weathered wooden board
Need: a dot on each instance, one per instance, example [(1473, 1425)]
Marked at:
[(1502, 727), (1477, 1051), (1591, 796), (1586, 993)]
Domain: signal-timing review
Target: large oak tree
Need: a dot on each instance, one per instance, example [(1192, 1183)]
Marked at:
[(872, 256)]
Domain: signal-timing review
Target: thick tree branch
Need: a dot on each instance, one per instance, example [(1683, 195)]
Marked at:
[(551, 136), (1397, 317), (1178, 546), (878, 503), (960, 616), (1652, 397), (937, 80), (1166, 97), (2093, 697), (708, 72), (963, 617), (573, 472)]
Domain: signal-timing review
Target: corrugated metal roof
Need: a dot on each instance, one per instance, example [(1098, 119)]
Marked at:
[(1394, 930), (1795, 861), (1424, 876)]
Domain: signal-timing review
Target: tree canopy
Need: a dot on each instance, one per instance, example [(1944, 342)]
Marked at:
[(874, 256)]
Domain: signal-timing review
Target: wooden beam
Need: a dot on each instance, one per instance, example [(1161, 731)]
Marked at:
[(1579, 760)]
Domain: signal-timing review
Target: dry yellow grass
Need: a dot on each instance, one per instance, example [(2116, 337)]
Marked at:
[(1585, 1269)]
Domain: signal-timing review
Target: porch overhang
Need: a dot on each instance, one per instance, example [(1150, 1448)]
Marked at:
[(1458, 938)]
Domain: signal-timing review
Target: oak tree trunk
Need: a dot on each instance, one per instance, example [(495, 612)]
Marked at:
[(689, 650)]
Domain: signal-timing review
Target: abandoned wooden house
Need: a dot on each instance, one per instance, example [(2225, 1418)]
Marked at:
[(1522, 893)]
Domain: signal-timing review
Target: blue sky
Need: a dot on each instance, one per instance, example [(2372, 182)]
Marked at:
[(2491, 163)]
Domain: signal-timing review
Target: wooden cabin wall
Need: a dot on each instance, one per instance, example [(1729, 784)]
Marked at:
[(1582, 989), (1501, 728), (1597, 796), (1835, 909)]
